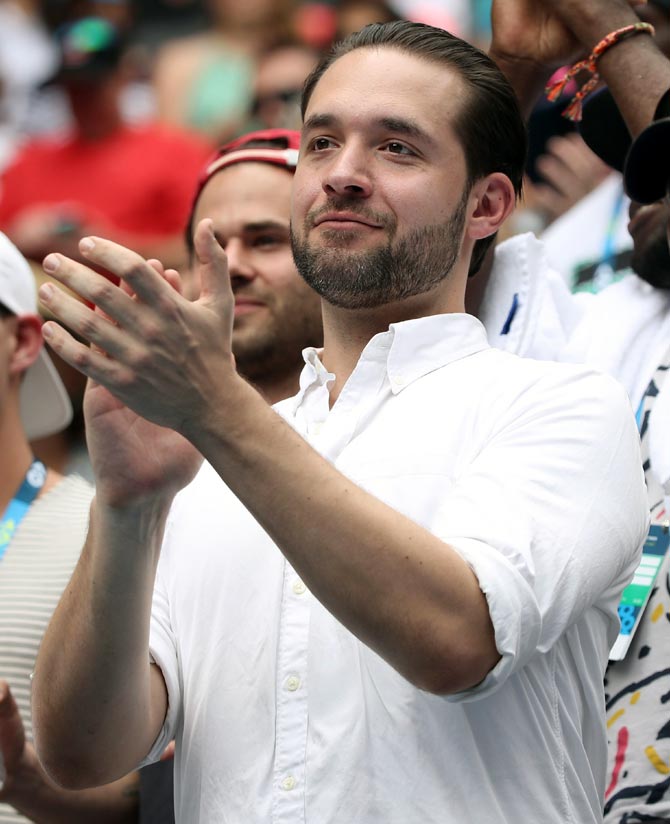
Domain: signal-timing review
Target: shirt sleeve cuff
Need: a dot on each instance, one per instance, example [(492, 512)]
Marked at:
[(514, 611), (162, 658)]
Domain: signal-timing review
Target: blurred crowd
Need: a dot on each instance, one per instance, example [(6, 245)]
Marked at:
[(113, 115), (215, 67), (109, 108)]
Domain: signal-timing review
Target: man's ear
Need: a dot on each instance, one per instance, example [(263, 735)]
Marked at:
[(28, 337), (495, 201)]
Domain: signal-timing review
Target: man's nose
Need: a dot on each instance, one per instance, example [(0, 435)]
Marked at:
[(348, 173), (239, 261)]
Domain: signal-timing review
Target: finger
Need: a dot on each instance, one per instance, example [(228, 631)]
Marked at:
[(549, 201), (560, 176), (91, 325), (157, 265), (92, 287), (173, 277), (7, 704), (12, 734), (211, 262), (573, 152), (143, 279), (89, 361)]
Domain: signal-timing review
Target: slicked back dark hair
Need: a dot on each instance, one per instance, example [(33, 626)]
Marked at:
[(489, 124)]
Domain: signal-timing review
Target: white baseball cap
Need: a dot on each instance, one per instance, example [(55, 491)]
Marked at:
[(45, 406)]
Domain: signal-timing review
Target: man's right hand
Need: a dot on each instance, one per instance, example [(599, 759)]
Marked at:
[(132, 458)]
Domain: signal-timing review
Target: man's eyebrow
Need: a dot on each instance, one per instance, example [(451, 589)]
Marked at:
[(408, 128), (402, 126), (318, 121)]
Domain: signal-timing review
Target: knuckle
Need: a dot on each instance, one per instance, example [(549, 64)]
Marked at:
[(89, 327), (125, 380), (130, 270), (151, 332), (140, 361), (101, 292), (81, 357)]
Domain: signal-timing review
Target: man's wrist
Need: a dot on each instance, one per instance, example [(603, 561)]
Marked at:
[(228, 414), (137, 519), (591, 22)]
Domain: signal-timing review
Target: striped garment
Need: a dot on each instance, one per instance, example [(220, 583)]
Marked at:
[(637, 693), (33, 574)]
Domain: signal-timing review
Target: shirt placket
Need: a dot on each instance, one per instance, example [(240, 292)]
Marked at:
[(291, 697), (329, 432)]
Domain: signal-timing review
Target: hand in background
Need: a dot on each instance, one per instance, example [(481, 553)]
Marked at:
[(570, 171), (16, 756)]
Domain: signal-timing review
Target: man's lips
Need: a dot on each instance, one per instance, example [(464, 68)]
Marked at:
[(244, 306), (345, 220)]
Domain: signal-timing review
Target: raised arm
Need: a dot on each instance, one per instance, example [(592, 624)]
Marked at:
[(360, 557), (98, 704), (401, 589), (532, 38)]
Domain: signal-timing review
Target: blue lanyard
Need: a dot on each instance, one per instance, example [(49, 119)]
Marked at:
[(20, 503)]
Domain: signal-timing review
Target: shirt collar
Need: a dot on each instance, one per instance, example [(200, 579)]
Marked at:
[(411, 349), (423, 345)]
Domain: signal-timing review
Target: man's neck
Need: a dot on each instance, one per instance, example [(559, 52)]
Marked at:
[(477, 285), (279, 387), (16, 459), (17, 456), (347, 332)]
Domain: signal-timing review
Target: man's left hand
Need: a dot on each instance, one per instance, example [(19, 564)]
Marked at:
[(160, 354)]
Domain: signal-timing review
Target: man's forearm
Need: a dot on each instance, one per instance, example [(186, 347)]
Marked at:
[(36, 797), (96, 709), (400, 589), (532, 39), (635, 70)]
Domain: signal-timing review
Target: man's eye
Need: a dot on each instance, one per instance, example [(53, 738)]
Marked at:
[(321, 143), (265, 240), (394, 147)]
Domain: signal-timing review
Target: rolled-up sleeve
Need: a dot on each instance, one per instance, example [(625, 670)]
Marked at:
[(551, 517), (163, 653)]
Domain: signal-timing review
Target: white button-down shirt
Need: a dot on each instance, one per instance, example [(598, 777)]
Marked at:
[(531, 471)]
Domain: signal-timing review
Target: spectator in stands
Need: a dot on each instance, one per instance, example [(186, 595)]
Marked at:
[(422, 630), (132, 183), (205, 81), (44, 518)]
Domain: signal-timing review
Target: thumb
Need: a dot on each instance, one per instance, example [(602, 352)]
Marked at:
[(12, 734), (212, 263)]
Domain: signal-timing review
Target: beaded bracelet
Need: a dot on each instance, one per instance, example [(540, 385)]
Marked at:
[(555, 89)]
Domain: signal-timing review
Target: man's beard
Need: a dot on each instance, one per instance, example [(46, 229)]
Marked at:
[(274, 348), (410, 266), (652, 262)]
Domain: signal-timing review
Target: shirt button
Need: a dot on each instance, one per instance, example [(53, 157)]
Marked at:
[(398, 380), (288, 783), (292, 683), (299, 588)]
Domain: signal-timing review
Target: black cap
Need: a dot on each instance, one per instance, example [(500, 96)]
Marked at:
[(90, 47), (647, 169), (604, 130)]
